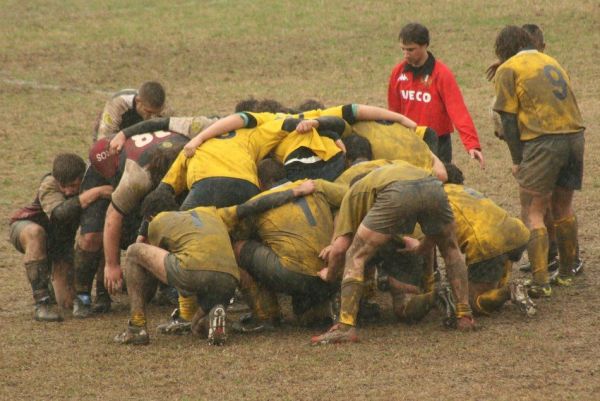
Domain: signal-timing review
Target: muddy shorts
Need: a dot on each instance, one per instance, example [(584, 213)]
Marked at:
[(211, 287), (552, 161), (59, 247), (265, 266), (487, 271), (403, 204), (219, 192)]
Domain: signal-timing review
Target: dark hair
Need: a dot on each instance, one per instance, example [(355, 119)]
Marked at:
[(272, 106), (455, 175), (310, 104), (270, 171), (357, 147), (160, 160), (153, 94), (414, 33), (67, 167), (511, 40), (250, 104), (161, 199), (537, 36)]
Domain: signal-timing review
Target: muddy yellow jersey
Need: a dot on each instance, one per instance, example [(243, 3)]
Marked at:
[(232, 155), (199, 238), (393, 141), (359, 169), (323, 147), (299, 230), (361, 196), (537, 89), (483, 229)]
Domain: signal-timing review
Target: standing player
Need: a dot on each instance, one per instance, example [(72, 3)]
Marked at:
[(543, 129), (425, 90)]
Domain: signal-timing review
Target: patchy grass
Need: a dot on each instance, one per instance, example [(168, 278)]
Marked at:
[(59, 57)]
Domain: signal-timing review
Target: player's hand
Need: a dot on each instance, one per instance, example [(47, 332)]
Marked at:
[(306, 188), (324, 254), (515, 169), (491, 70), (340, 144), (411, 244), (476, 154), (306, 126), (190, 149), (116, 144), (113, 278), (105, 191), (323, 274)]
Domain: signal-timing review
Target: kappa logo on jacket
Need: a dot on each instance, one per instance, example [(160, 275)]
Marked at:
[(402, 77)]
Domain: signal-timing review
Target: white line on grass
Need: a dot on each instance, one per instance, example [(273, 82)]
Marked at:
[(7, 79)]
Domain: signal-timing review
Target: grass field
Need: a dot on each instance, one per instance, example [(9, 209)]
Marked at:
[(59, 60)]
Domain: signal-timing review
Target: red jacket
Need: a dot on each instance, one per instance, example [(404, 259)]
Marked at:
[(432, 100)]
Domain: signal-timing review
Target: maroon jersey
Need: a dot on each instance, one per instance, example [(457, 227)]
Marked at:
[(137, 148)]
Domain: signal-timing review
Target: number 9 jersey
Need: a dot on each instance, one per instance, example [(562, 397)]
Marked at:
[(537, 89)]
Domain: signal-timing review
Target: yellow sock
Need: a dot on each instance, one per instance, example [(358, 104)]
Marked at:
[(351, 294), (463, 310), (187, 307), (566, 238), (537, 249), (138, 319), (492, 300)]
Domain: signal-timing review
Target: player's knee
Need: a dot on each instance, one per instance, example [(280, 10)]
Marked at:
[(91, 242)]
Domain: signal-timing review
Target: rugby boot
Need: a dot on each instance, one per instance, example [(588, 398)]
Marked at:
[(42, 312), (216, 318), (82, 306), (102, 303), (520, 298), (444, 301), (237, 303), (537, 290), (133, 335), (175, 325), (578, 268), (251, 324), (337, 334)]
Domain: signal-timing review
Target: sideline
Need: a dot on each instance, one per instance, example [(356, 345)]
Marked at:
[(7, 79)]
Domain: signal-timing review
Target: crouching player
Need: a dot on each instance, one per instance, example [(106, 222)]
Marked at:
[(190, 250), (45, 232)]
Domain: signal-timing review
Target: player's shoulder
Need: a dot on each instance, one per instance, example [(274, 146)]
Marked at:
[(123, 98)]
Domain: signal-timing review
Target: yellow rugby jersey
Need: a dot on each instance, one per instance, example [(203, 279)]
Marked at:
[(537, 89), (325, 148), (361, 196), (199, 238), (393, 141), (483, 229), (232, 155), (299, 230), (360, 168)]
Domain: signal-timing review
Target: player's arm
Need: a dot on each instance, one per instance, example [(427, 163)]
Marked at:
[(70, 209), (230, 123), (512, 136), (370, 113), (113, 275), (262, 203)]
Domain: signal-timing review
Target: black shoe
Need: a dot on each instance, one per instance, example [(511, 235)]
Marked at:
[(102, 303), (176, 325), (82, 306), (253, 325), (42, 312)]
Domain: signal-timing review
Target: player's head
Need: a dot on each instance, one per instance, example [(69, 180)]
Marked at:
[(511, 40), (455, 175), (250, 104), (68, 170), (160, 160), (150, 99), (537, 36), (160, 200), (358, 149), (270, 172), (310, 104), (414, 41), (272, 106)]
